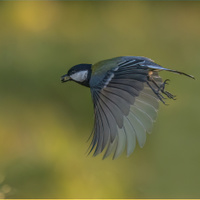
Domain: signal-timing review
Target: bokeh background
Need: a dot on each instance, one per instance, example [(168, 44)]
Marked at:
[(44, 125)]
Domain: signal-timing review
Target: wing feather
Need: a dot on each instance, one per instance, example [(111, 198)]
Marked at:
[(121, 143), (110, 118), (138, 77), (130, 135), (129, 89), (104, 127), (96, 129), (111, 147), (116, 112), (137, 85), (144, 118), (124, 94), (149, 109)]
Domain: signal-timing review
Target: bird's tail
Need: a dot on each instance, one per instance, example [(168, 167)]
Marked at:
[(182, 73), (156, 67)]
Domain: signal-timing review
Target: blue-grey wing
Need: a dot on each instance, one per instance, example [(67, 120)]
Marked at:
[(125, 108), (126, 100)]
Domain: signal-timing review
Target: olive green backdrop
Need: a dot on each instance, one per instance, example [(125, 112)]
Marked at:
[(44, 125)]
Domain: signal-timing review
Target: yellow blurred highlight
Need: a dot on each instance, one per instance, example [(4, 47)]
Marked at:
[(35, 16)]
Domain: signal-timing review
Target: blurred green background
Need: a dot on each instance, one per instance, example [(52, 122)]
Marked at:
[(44, 125)]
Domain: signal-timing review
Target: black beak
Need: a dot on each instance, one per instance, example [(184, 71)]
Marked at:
[(65, 78)]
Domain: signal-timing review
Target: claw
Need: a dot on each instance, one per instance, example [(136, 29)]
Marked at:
[(162, 87), (161, 90), (157, 93), (167, 80)]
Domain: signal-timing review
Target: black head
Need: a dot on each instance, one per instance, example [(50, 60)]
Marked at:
[(79, 73)]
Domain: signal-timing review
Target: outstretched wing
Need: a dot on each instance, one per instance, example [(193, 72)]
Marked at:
[(126, 102)]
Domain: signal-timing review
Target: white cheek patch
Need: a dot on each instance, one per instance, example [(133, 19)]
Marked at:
[(80, 76)]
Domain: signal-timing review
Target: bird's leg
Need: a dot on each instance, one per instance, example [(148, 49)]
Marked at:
[(162, 89), (157, 92)]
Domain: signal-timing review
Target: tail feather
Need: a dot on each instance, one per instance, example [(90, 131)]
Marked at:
[(182, 73), (157, 67)]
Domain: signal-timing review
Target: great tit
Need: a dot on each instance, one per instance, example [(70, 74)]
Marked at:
[(126, 92)]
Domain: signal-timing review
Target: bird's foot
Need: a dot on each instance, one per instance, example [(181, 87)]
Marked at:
[(162, 89), (157, 92)]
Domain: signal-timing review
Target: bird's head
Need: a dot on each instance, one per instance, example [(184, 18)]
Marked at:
[(79, 73)]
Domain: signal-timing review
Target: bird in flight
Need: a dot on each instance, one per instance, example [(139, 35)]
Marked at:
[(126, 92)]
